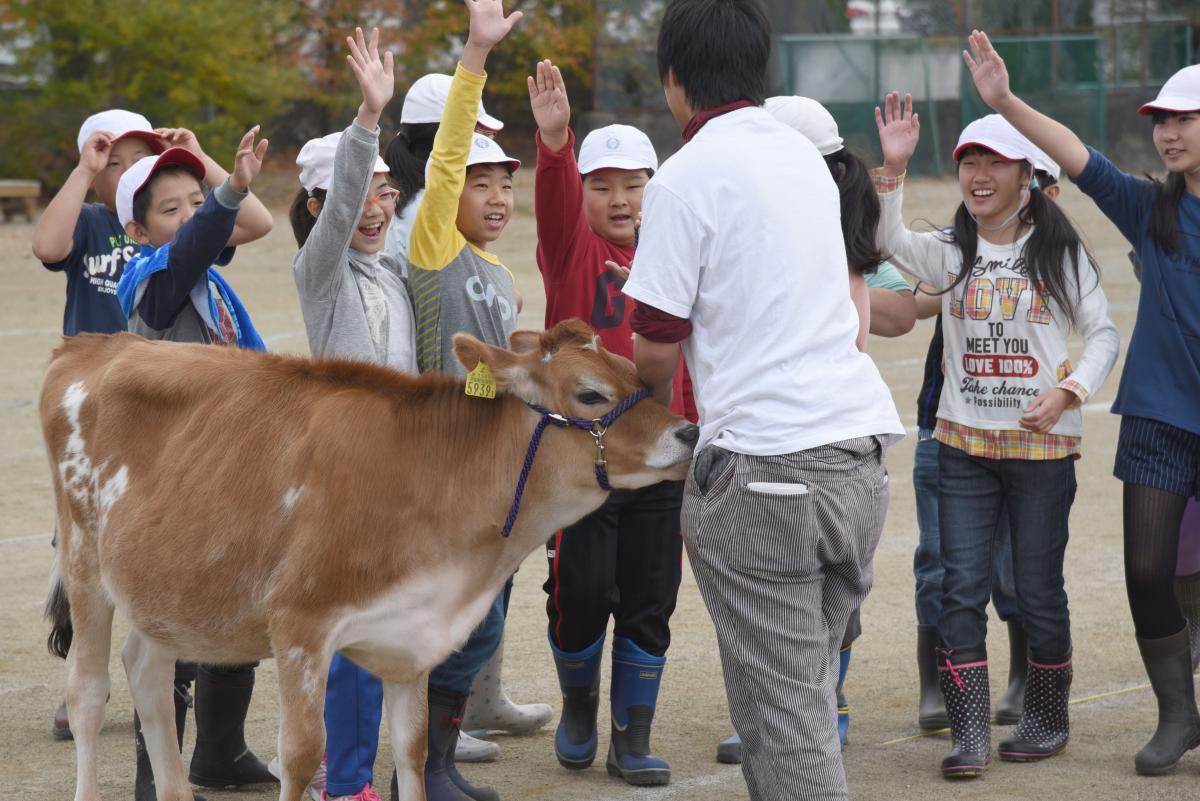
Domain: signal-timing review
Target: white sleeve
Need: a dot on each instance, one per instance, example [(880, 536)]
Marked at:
[(673, 248), (925, 256), (1101, 340)]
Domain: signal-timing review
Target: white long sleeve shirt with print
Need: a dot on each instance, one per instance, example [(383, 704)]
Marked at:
[(1005, 341)]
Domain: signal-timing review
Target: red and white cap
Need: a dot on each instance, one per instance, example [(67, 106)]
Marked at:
[(485, 150), (316, 162), (121, 124), (1044, 163), (621, 147), (808, 117), (1181, 92), (137, 176), (996, 134), (426, 99)]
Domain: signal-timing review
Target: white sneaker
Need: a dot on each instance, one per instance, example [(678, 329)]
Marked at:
[(315, 787), (470, 749)]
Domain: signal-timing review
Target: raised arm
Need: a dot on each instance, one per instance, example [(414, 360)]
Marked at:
[(54, 234), (921, 255), (319, 264), (435, 239), (991, 79), (254, 221), (558, 190)]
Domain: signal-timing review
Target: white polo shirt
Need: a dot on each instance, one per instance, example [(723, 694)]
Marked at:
[(741, 234)]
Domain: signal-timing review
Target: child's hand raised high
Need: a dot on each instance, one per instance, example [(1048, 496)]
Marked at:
[(899, 132), (987, 70), (374, 74), (551, 108), (488, 28), (248, 161)]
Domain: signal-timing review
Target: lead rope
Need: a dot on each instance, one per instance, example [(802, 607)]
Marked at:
[(597, 428)]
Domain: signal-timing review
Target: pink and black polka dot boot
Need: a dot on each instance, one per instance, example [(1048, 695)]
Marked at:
[(1045, 725), (963, 676)]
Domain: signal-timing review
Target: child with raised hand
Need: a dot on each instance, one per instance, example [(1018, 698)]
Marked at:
[(356, 306), (458, 286), (1158, 450), (1016, 279), (630, 547)]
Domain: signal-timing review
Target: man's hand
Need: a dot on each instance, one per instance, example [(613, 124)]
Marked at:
[(551, 108), (899, 131), (248, 161), (374, 75), (1043, 412), (94, 156)]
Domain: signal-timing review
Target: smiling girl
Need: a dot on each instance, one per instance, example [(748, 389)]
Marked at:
[(1015, 280), (1158, 451)]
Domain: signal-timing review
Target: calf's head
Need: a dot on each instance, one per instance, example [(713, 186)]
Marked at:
[(568, 371)]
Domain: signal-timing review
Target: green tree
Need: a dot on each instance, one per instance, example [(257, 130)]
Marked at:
[(210, 66)]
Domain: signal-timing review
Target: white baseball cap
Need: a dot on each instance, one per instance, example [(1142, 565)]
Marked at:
[(621, 147), (808, 117), (996, 134), (1181, 92), (121, 124), (426, 99), (137, 176), (1044, 163), (485, 150), (316, 162)]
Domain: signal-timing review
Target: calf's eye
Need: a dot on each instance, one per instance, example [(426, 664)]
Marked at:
[(591, 397)]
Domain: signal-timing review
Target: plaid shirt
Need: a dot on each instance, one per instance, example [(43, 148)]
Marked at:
[(1011, 444)]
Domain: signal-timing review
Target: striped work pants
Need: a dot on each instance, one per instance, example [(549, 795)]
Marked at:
[(782, 549)]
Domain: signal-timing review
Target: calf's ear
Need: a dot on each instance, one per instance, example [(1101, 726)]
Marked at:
[(527, 342), (508, 369)]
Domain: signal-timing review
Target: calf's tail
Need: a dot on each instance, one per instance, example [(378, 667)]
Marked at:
[(58, 612)]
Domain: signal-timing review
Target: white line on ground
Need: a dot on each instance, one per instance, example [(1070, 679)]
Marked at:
[(678, 789), (27, 539), (25, 332)]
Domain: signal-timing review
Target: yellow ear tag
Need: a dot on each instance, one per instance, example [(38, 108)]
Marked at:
[(480, 383)]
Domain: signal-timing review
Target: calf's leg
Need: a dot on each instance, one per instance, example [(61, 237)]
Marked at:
[(87, 679), (407, 711), (150, 667), (302, 675)]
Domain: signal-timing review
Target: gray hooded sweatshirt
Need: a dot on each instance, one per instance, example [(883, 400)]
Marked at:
[(355, 305)]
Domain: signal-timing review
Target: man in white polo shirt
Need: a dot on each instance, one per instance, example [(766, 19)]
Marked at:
[(741, 261)]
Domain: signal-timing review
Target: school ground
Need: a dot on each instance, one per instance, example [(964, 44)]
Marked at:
[(886, 758)]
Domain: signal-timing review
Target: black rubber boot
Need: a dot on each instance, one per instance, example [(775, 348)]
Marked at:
[(445, 717), (963, 674), (222, 758), (1012, 703), (1045, 723), (931, 709), (1187, 593), (1168, 663), (143, 783)]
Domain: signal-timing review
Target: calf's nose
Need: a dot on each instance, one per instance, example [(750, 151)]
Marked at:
[(688, 434)]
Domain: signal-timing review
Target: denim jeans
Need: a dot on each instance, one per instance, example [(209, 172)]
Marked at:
[(972, 495), (927, 561), (459, 669)]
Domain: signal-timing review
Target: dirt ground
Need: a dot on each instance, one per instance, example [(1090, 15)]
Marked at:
[(1113, 712)]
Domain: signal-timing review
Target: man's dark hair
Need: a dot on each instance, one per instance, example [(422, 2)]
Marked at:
[(718, 50), (141, 200)]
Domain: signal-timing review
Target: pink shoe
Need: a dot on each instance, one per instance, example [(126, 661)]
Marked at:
[(365, 794)]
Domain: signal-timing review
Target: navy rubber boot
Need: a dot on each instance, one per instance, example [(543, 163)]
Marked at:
[(636, 676), (579, 679), (843, 706)]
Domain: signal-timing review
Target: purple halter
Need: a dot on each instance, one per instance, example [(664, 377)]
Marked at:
[(597, 428)]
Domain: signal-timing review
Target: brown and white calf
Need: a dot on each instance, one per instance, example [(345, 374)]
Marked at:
[(237, 505)]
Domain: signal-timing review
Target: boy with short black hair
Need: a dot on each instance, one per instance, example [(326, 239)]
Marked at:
[(624, 559), (171, 290), (784, 503)]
